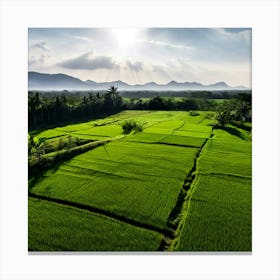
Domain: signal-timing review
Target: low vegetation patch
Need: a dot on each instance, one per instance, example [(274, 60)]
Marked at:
[(130, 125)]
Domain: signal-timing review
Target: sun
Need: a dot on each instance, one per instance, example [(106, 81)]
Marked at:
[(126, 37)]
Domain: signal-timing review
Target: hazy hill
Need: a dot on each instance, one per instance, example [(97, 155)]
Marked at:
[(41, 81)]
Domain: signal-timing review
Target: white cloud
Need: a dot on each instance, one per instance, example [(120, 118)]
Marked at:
[(134, 66), (88, 61), (166, 44), (41, 45), (83, 38), (203, 55)]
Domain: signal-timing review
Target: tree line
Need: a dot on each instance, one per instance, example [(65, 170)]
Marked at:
[(44, 110)]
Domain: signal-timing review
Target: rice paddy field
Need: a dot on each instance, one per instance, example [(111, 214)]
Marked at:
[(178, 185)]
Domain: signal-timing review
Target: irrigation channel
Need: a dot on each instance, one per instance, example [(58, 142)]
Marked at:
[(178, 215)]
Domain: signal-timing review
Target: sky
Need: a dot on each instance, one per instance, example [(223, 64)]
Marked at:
[(141, 55)]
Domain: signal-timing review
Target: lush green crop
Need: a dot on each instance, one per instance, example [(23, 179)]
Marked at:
[(75, 127), (192, 133), (90, 136), (219, 213), (183, 140), (106, 130), (169, 124), (145, 137), (226, 163), (231, 146), (227, 154), (136, 180), (158, 130), (219, 216), (50, 133), (196, 127), (53, 227)]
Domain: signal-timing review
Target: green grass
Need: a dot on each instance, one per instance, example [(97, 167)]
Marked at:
[(145, 137), (136, 180), (227, 154), (139, 177), (231, 146), (162, 122), (158, 130), (226, 163), (75, 127), (90, 137), (169, 124), (53, 227), (192, 133), (219, 216), (50, 133), (106, 130), (183, 140), (196, 127), (220, 208)]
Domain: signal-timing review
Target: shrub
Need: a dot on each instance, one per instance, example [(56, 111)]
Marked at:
[(131, 125)]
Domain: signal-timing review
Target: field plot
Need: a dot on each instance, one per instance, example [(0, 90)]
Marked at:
[(219, 215), (106, 130), (238, 164), (146, 137), (195, 134), (136, 180), (183, 141), (53, 227), (50, 133), (227, 154), (126, 195)]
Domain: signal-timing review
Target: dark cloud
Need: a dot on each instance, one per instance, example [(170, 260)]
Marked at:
[(41, 46), (88, 62), (134, 66)]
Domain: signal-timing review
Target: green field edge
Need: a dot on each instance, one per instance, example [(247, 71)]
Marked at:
[(77, 205), (224, 174)]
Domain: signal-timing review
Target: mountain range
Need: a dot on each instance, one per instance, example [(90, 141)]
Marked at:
[(48, 82)]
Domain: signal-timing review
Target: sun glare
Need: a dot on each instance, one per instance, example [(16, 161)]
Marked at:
[(125, 36)]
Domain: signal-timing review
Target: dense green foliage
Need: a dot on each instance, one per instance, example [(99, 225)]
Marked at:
[(49, 109), (235, 110), (131, 125)]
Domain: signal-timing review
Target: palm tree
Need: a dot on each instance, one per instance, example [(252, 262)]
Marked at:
[(113, 92)]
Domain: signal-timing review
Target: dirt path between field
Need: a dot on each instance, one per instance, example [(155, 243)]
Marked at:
[(176, 218)]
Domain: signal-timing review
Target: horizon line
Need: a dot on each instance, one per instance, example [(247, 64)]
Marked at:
[(249, 88)]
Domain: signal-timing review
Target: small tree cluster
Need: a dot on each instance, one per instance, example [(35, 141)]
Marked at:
[(234, 110), (131, 125)]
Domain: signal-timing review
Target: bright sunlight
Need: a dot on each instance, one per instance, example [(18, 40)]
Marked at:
[(125, 36)]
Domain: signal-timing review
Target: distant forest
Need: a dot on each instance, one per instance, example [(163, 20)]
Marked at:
[(47, 109)]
